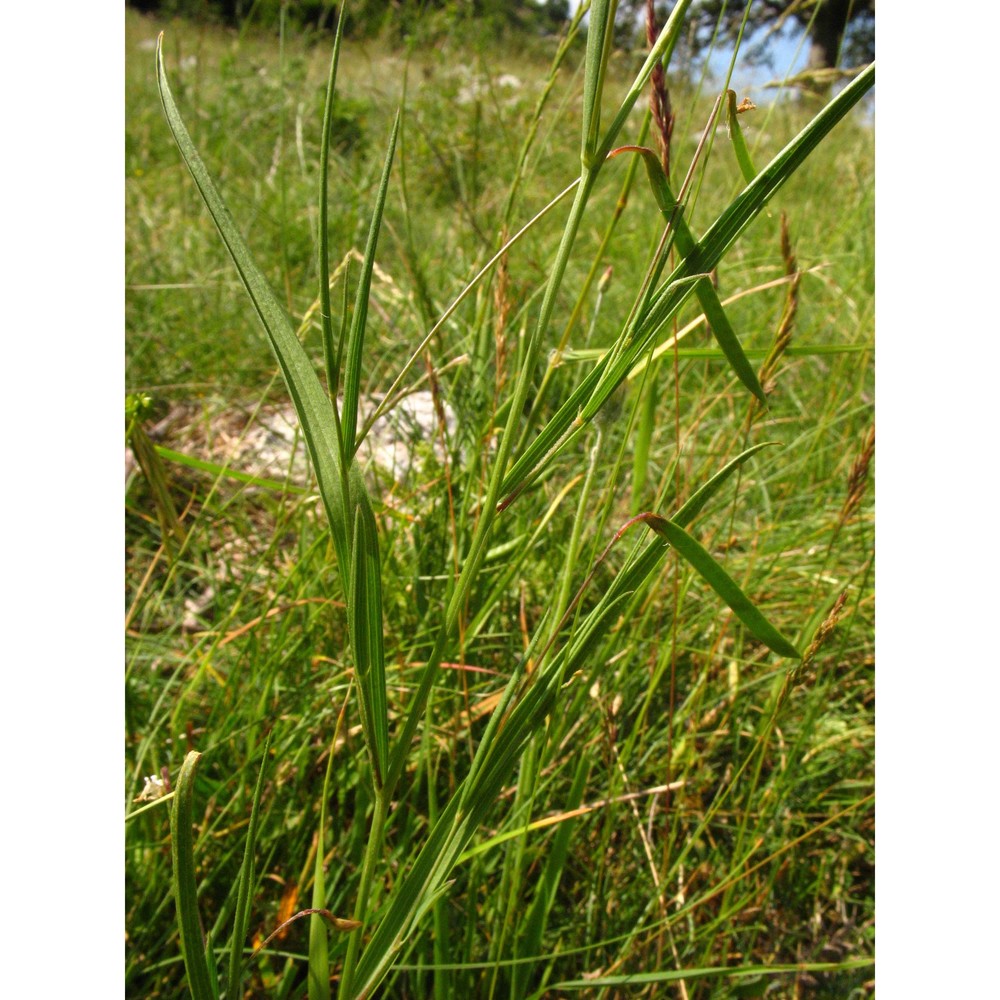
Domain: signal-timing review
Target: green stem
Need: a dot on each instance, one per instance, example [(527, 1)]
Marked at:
[(185, 887), (581, 298), (373, 851), (470, 569), (480, 538)]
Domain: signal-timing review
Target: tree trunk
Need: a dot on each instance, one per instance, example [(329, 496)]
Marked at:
[(827, 33)]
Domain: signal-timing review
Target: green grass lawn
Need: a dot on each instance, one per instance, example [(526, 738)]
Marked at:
[(688, 806)]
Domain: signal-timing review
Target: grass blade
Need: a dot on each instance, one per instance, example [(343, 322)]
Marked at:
[(320, 918), (185, 888), (312, 404), (317, 416), (601, 383), (547, 885), (703, 494), (722, 583), (241, 923), (736, 135), (356, 339), (326, 319), (636, 980), (148, 458), (365, 621), (223, 471), (718, 321)]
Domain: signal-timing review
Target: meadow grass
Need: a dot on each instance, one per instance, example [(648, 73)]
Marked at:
[(668, 805)]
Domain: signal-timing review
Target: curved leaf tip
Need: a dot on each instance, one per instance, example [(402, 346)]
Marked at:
[(722, 583)]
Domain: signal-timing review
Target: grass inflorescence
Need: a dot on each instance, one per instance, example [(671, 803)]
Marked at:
[(573, 691)]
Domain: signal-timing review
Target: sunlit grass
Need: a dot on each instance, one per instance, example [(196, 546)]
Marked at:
[(585, 865)]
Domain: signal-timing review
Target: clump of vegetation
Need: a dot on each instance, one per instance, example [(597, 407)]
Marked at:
[(586, 703)]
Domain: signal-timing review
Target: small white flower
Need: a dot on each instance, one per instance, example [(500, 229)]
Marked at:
[(155, 788)]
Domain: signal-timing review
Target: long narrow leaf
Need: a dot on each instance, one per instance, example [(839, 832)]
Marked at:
[(701, 497), (718, 321), (736, 136), (326, 319), (547, 884), (312, 404), (185, 887), (365, 614), (317, 416), (635, 980), (356, 340), (190, 462), (241, 923), (599, 385), (320, 918), (148, 457), (723, 584)]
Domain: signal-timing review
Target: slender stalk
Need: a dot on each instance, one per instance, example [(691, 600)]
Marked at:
[(581, 298), (471, 565), (478, 545), (372, 856), (185, 888), (391, 393)]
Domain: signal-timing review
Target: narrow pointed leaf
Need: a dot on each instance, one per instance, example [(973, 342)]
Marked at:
[(326, 319), (723, 584), (312, 404), (365, 619), (185, 887), (213, 968), (714, 311), (697, 501), (736, 136), (634, 981), (547, 885), (148, 457), (601, 383), (316, 415), (356, 339), (223, 471), (241, 923)]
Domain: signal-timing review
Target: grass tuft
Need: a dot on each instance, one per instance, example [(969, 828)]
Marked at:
[(510, 748)]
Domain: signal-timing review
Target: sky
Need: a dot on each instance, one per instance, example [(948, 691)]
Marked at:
[(789, 51)]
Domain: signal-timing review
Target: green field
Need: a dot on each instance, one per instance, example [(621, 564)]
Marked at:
[(686, 812)]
